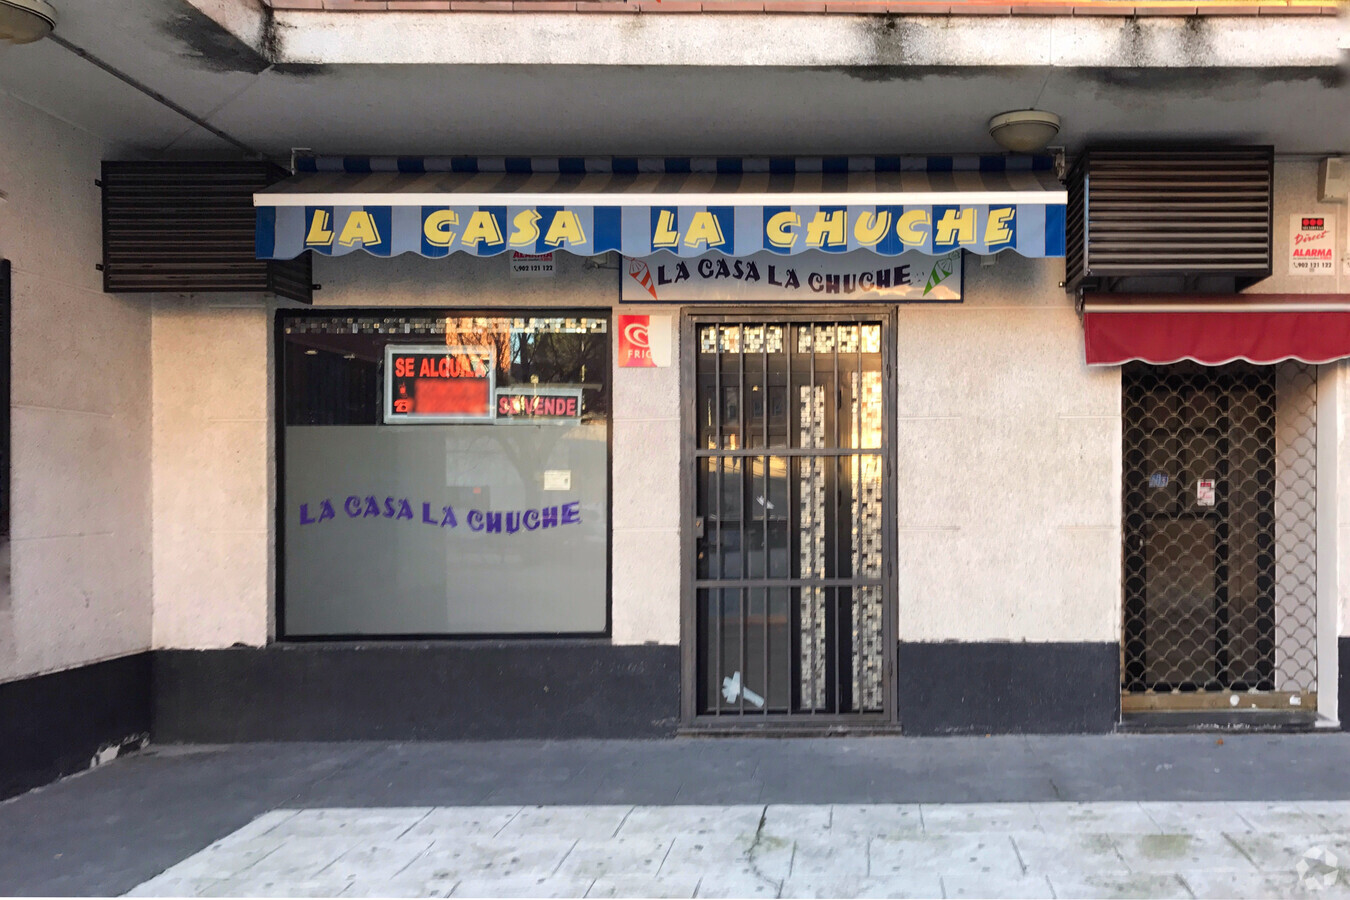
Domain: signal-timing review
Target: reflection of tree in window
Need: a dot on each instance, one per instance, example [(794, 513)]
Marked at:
[(564, 358), (494, 333)]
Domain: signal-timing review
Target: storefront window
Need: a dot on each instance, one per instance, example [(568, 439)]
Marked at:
[(444, 473)]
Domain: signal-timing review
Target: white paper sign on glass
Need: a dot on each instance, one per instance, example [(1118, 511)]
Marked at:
[(812, 276), (1204, 492)]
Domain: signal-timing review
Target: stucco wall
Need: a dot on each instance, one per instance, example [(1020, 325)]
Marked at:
[(213, 481), (1008, 455), (1296, 194), (80, 547)]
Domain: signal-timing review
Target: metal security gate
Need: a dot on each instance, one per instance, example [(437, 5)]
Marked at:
[(788, 612), (1220, 537)]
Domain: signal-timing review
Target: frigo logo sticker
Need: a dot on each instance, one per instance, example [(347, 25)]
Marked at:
[(637, 336), (643, 341), (635, 350)]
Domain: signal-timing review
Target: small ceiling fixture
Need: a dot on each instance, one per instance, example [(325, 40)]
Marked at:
[(1022, 130), (25, 21)]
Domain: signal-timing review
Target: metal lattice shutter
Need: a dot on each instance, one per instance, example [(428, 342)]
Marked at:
[(189, 226), (1169, 212), (1220, 485)]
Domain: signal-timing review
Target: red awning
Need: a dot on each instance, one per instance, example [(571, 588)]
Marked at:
[(1212, 330)]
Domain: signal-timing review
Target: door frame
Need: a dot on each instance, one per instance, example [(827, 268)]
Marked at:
[(690, 719)]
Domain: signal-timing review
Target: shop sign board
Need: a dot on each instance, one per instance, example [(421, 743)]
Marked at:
[(1032, 229), (644, 341), (1312, 245), (438, 384), (812, 276), (531, 265), (539, 404)]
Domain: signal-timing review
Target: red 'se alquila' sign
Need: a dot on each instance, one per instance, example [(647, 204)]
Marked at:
[(438, 384)]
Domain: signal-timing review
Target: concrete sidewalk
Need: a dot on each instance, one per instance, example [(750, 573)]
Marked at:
[(115, 828), (1223, 849)]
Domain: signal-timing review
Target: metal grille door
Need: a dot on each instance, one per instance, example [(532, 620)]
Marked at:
[(1220, 537), (789, 592)]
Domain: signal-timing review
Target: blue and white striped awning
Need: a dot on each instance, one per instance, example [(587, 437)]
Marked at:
[(482, 207)]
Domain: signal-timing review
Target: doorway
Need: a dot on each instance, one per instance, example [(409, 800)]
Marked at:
[(789, 596), (1220, 540)]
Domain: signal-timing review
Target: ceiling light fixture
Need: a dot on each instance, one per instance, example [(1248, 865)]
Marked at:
[(25, 21), (1024, 130)]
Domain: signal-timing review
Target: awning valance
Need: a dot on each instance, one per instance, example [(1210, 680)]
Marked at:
[(1213, 330), (482, 207)]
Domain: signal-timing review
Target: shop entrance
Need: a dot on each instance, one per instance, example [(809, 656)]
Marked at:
[(788, 613), (1220, 543)]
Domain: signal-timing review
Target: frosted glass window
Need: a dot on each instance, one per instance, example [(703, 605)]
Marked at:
[(494, 524)]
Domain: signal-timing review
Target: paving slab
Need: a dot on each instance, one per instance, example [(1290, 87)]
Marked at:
[(1120, 887), (1026, 886), (824, 858), (892, 820), (174, 886), (625, 854), (914, 884), (941, 818), (470, 821), (724, 854), (1069, 852), (520, 887), (642, 886), (401, 887), (1095, 818), (986, 855), (721, 885), (458, 859), (694, 820), (1271, 852), (1207, 850), (1226, 885)]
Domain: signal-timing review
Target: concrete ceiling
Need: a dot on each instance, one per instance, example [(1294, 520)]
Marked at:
[(173, 49)]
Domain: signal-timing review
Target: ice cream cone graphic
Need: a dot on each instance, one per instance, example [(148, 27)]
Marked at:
[(638, 271)]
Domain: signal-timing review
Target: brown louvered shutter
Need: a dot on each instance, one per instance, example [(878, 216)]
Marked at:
[(1169, 212), (189, 226)]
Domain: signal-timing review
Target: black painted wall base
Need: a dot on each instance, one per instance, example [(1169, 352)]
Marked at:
[(1343, 694), (1006, 688), (54, 725), (437, 691)]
